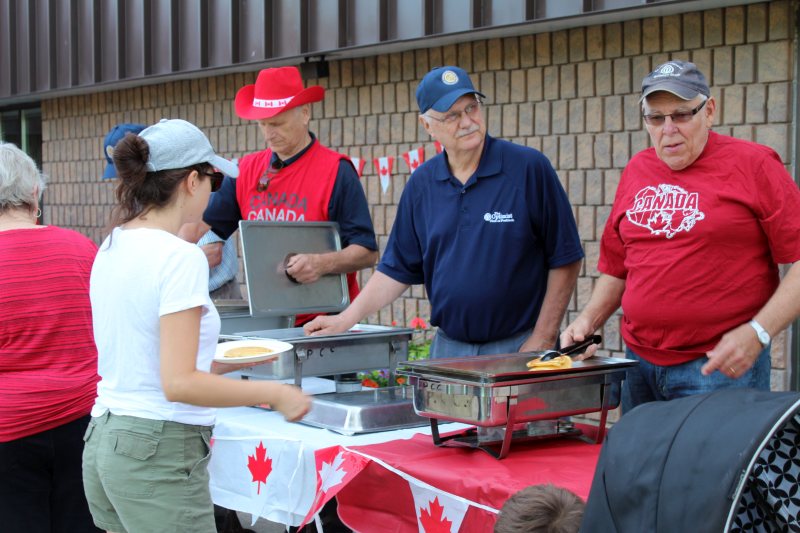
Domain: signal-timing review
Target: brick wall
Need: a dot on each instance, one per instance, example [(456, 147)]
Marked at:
[(571, 94)]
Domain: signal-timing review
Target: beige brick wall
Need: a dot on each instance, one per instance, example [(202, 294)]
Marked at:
[(572, 94)]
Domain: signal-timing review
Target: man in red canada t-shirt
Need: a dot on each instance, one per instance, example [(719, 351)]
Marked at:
[(691, 250), (295, 179)]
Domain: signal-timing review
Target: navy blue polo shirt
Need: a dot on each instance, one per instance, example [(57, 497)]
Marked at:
[(483, 249), (348, 206)]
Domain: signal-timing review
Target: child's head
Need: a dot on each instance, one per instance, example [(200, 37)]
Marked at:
[(541, 509)]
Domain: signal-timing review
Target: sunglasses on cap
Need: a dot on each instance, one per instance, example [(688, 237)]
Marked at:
[(266, 177), (216, 180)]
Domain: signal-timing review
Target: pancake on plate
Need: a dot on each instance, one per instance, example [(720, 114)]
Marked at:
[(247, 351)]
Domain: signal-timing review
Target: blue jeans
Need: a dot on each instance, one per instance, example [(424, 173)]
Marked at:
[(444, 347), (648, 382)]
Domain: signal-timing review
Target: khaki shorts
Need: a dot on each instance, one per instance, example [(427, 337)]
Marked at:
[(144, 475)]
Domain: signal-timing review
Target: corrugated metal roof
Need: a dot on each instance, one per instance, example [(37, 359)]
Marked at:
[(56, 47)]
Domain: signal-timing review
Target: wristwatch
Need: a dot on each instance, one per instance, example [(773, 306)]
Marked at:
[(761, 333)]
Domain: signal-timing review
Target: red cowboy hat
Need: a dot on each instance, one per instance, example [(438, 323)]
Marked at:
[(275, 91)]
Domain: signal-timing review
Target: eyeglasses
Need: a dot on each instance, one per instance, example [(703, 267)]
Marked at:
[(266, 177), (216, 180), (680, 117), (455, 116)]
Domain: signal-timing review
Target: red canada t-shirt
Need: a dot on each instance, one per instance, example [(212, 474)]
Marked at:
[(699, 248)]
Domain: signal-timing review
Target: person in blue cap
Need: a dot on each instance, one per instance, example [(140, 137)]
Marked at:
[(486, 226), (221, 253), (114, 136)]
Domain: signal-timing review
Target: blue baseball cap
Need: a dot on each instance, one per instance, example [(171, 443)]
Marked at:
[(441, 87), (112, 138)]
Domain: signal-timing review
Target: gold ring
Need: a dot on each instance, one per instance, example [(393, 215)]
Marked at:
[(733, 370)]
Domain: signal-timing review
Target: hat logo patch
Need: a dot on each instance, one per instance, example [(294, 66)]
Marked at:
[(669, 69), (110, 152), (449, 77), (270, 104)]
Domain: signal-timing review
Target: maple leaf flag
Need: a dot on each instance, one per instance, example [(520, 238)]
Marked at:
[(414, 158), (359, 164), (259, 465), (437, 512), (384, 166), (335, 468), (438, 147)]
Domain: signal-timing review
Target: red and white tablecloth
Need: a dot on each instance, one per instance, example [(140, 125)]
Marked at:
[(412, 485), (387, 481)]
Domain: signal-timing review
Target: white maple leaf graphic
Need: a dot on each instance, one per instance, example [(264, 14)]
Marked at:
[(331, 474)]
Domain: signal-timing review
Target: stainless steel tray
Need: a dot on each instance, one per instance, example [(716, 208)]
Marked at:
[(479, 390), (366, 411), (505, 369), (498, 390), (364, 347)]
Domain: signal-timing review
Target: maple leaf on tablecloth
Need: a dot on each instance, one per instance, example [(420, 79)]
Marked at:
[(434, 521), (335, 468), (259, 465), (332, 473)]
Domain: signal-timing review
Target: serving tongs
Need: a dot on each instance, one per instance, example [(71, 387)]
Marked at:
[(576, 348)]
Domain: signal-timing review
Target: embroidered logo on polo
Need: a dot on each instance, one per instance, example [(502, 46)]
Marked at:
[(498, 217), (665, 210), (449, 77)]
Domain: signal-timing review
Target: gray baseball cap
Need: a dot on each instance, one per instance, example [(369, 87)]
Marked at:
[(175, 143), (680, 78)]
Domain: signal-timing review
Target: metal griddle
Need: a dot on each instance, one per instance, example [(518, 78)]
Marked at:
[(505, 400)]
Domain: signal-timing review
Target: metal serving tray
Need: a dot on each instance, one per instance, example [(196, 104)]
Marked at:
[(364, 347), (477, 390), (498, 390), (366, 411)]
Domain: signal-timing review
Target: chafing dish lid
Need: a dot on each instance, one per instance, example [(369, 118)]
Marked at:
[(504, 367), (359, 331), (265, 247)]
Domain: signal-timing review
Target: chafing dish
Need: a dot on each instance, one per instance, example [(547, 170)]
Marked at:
[(274, 296), (498, 394), (364, 347)]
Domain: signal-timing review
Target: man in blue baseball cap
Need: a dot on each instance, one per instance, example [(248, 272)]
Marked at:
[(112, 138), (485, 226)]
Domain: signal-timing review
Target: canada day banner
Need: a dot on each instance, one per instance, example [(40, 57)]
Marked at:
[(335, 468), (384, 166), (437, 512)]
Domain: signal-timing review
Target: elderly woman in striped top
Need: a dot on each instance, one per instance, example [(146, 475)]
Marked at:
[(48, 360)]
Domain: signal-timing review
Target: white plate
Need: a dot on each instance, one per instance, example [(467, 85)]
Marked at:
[(278, 348)]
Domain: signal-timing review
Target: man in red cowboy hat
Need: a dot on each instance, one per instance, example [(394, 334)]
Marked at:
[(295, 179)]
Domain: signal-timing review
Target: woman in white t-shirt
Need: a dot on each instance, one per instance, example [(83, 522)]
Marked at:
[(147, 445)]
